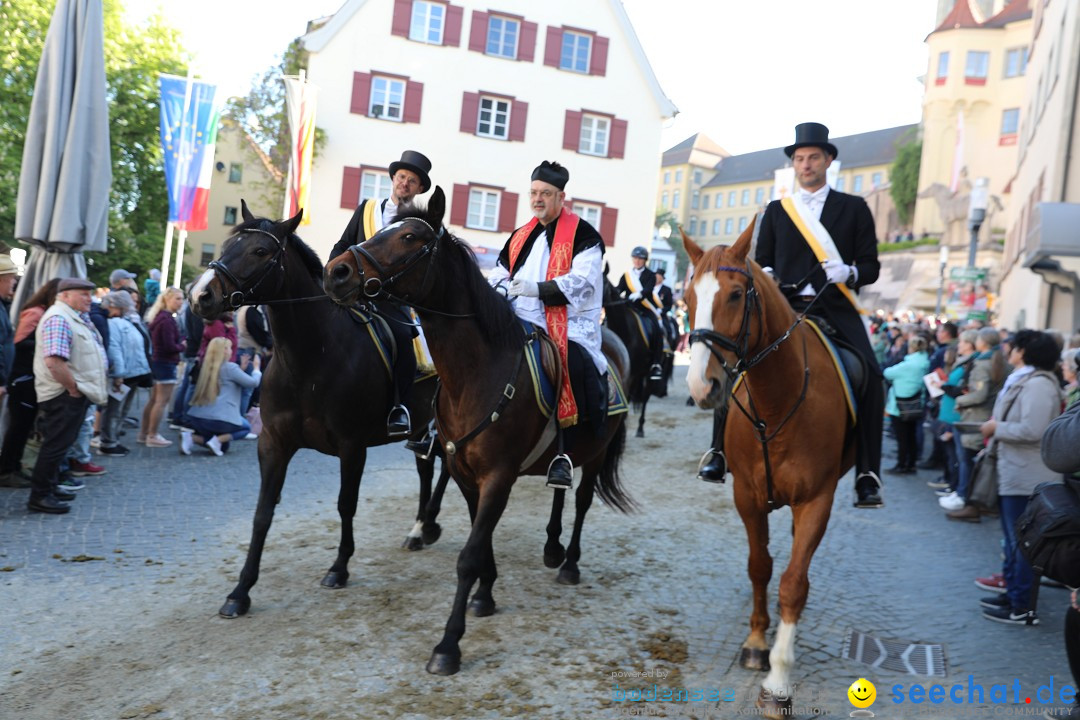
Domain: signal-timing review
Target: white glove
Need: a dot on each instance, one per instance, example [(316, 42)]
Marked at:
[(635, 296), (836, 271), (525, 288)]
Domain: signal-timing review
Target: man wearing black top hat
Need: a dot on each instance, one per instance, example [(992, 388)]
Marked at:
[(409, 177), (784, 252)]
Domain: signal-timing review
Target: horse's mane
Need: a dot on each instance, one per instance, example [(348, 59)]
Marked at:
[(494, 314), (308, 257)]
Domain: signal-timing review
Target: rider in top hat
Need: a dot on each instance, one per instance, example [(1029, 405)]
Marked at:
[(838, 258), (637, 285), (409, 177), (559, 245)]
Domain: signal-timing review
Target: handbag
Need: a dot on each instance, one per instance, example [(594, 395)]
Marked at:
[(909, 409), (984, 479), (1048, 532)]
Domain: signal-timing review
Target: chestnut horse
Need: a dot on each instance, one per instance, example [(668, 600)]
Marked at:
[(326, 389), (788, 438), (487, 417)]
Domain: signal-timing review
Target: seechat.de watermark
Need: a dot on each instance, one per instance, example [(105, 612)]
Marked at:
[(1012, 696)]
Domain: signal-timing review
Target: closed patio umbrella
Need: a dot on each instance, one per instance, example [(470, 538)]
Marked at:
[(63, 202)]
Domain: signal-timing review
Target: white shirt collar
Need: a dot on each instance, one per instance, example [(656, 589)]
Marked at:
[(816, 196)]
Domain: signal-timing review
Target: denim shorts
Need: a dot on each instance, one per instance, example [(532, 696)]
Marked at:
[(164, 372)]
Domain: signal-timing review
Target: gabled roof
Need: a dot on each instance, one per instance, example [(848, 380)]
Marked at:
[(877, 147), (961, 16), (1013, 11), (680, 154), (316, 40)]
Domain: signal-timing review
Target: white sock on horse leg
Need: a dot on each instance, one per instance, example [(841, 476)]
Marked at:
[(781, 659)]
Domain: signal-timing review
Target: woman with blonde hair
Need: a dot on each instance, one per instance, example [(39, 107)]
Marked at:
[(166, 345), (214, 417)]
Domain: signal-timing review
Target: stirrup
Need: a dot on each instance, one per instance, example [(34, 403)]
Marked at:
[(705, 461), (656, 372), (869, 474), (397, 429), (425, 446), (558, 485)]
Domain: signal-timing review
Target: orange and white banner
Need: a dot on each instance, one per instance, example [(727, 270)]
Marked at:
[(300, 96)]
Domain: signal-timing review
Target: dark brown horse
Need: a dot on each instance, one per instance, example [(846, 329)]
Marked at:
[(487, 417), (788, 436), (326, 372)]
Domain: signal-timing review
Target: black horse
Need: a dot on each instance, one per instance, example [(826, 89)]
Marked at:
[(327, 388), (620, 319), (489, 422)]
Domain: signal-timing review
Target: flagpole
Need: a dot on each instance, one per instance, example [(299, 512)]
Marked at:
[(179, 257), (170, 227)]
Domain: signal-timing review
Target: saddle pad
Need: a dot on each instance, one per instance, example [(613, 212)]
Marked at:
[(384, 340), (544, 389)]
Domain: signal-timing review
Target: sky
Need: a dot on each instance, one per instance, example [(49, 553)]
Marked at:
[(734, 71)]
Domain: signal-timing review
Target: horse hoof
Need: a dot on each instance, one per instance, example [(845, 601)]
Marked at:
[(481, 608), (754, 658), (554, 558), (413, 543), (234, 608), (443, 664), (431, 534), (335, 580), (639, 433), (568, 577), (772, 707)]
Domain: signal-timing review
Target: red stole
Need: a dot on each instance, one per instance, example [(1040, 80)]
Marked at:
[(559, 260)]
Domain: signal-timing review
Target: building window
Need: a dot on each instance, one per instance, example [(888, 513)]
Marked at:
[(695, 199), (697, 177), (678, 176), (483, 210), (693, 226), (743, 222), (977, 67), (759, 196), (207, 255), (236, 172), (746, 196), (840, 183), (729, 226), (942, 68), (230, 217), (1016, 61), (428, 19), (875, 180), (387, 98), (675, 199), (575, 52), (663, 200), (716, 227), (856, 183), (1010, 125), (667, 177), (375, 185), (594, 135), (494, 118), (731, 199), (589, 213), (705, 202), (502, 37)]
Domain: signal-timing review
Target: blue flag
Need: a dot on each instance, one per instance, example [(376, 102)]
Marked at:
[(187, 133)]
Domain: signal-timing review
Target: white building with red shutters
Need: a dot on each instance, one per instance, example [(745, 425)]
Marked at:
[(487, 92)]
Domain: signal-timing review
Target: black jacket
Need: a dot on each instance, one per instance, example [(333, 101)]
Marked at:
[(354, 231), (648, 284)]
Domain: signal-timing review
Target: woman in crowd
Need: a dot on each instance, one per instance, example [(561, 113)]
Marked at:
[(166, 343), (906, 377), (1070, 365), (1029, 402), (127, 361), (214, 416)]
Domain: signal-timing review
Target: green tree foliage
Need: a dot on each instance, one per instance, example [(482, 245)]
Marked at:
[(904, 179), (682, 260)]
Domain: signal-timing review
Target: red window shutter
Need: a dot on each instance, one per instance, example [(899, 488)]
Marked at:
[(452, 33), (350, 188), (598, 62), (470, 107), (361, 93), (478, 33), (414, 95), (571, 139), (617, 145), (526, 42), (508, 212), (459, 207), (553, 49), (402, 18), (519, 111), (608, 218)]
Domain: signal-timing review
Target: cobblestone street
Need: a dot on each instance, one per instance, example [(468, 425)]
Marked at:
[(110, 611)]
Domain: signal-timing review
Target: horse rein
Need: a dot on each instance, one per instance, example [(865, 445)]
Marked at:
[(241, 296)]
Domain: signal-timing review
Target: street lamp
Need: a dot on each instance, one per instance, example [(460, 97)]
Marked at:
[(980, 198), (943, 260)]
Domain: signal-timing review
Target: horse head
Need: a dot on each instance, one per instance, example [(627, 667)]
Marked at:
[(395, 262), (727, 315), (245, 274)]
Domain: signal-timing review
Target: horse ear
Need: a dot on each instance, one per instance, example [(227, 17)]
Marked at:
[(607, 269), (290, 225), (244, 212), (692, 248), (742, 245), (436, 207)]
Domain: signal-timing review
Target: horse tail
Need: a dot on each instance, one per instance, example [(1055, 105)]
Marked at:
[(609, 483)]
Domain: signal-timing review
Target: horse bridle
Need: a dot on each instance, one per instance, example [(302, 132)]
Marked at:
[(239, 297), (740, 344)]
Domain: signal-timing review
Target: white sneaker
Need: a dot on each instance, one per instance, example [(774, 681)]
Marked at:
[(186, 442), (251, 436), (951, 502), (215, 446)]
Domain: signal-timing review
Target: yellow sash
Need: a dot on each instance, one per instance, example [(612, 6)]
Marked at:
[(559, 260), (820, 242), (632, 284), (369, 218)]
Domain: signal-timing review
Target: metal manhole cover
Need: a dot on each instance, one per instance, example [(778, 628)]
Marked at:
[(897, 655)]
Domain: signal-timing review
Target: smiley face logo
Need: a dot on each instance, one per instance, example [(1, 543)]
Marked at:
[(862, 693)]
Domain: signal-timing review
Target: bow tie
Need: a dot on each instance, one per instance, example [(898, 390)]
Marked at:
[(809, 198)]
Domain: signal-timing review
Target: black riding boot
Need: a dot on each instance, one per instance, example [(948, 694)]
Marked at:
[(715, 467), (398, 422), (426, 443), (560, 474)]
